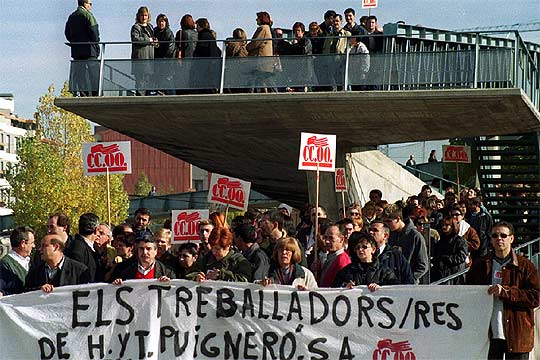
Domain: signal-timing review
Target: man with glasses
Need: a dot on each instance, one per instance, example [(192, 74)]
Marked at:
[(82, 27), (337, 258), (515, 287), (15, 265)]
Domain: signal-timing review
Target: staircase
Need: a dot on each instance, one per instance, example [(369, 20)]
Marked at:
[(509, 174)]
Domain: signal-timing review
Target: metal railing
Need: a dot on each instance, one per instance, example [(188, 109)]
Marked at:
[(404, 67), (532, 253)]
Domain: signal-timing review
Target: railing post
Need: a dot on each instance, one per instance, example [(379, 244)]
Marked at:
[(223, 57), (347, 54), (516, 59), (476, 61), (101, 69)]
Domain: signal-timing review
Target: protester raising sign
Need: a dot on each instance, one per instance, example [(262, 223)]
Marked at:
[(114, 156), (225, 190), (144, 319), (185, 224), (317, 151)]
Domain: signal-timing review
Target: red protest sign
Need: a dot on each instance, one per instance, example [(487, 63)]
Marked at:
[(116, 156), (367, 4), (340, 180), (185, 224), (317, 150), (457, 153), (225, 190)]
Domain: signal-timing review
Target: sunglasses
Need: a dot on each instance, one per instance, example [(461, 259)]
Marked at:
[(363, 247), (502, 236), (354, 213)]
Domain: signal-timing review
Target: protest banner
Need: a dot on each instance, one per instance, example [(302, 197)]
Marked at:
[(98, 158), (457, 154), (369, 4), (317, 151), (229, 191), (341, 186), (146, 319), (185, 225), (105, 158)]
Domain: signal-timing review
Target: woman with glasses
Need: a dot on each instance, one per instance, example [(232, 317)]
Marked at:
[(364, 268), (449, 254), (286, 269)]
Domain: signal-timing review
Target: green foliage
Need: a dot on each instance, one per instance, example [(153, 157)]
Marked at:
[(143, 185), (49, 176)]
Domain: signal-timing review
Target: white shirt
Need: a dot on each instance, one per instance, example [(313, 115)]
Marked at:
[(144, 271), (497, 316), (23, 261), (89, 242)]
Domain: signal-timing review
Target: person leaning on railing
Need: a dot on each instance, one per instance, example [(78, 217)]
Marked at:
[(261, 45), (142, 47)]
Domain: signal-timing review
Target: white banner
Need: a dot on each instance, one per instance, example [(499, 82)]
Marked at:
[(186, 320), (226, 190), (185, 225), (317, 151), (97, 157)]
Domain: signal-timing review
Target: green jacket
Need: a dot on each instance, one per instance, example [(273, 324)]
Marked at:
[(12, 276), (233, 267)]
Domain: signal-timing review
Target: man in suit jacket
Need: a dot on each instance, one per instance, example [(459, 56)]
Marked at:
[(83, 247), (146, 266), (56, 268)]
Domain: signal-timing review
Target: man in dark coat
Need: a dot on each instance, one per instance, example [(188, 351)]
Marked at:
[(146, 266), (84, 248), (82, 26), (244, 236), (388, 256), (56, 268)]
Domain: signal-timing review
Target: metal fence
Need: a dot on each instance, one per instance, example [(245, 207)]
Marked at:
[(399, 68)]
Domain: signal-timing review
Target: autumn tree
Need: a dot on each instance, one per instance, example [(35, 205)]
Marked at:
[(49, 175), (143, 185)]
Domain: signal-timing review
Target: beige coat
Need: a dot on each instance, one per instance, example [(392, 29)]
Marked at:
[(341, 43), (262, 48)]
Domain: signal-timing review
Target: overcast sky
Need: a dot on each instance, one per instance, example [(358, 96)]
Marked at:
[(33, 54)]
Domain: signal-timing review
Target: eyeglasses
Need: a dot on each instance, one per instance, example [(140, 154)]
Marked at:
[(456, 214), (355, 213), (363, 247), (502, 236), (420, 223)]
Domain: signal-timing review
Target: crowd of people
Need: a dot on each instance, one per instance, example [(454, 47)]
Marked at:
[(415, 241), (196, 39)]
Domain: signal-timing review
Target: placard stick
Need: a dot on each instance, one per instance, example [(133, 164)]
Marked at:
[(108, 197), (226, 212), (457, 176), (343, 204), (316, 230)]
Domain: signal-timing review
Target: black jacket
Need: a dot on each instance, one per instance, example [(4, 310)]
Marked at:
[(448, 257), (206, 45), (395, 260), (260, 263), (81, 26), (165, 49), (81, 252), (72, 273), (365, 274)]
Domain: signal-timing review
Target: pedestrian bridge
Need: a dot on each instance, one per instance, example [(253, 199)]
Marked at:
[(428, 85)]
